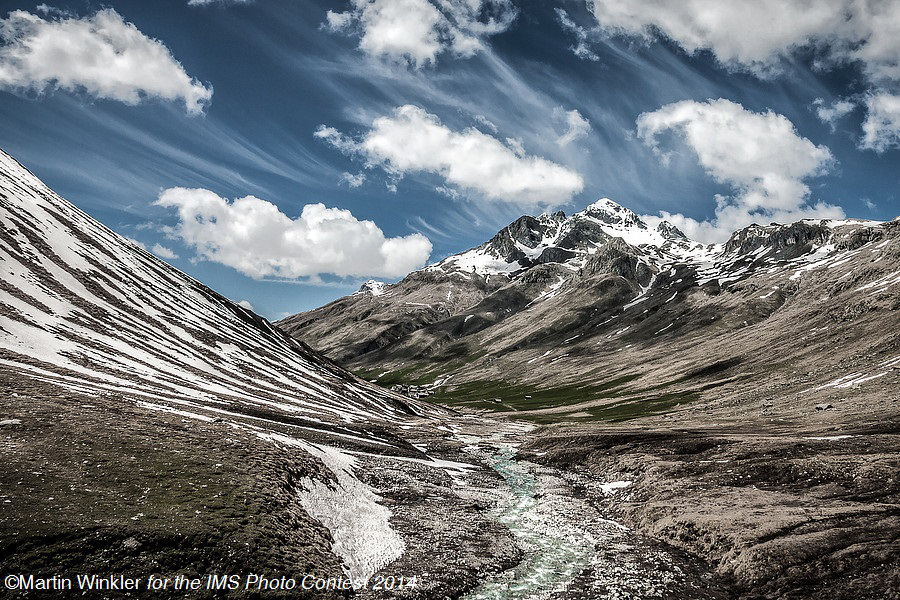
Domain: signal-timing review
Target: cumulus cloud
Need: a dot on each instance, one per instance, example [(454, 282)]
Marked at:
[(760, 155), (753, 35), (246, 304), (101, 55), (254, 237), (881, 129), (163, 252), (759, 35), (413, 140), (415, 32), (577, 127)]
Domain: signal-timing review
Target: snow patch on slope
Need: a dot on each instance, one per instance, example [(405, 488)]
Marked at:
[(360, 527)]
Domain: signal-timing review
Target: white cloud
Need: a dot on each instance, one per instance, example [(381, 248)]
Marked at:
[(256, 238), (417, 31), (102, 55), (582, 49), (246, 304), (163, 252), (487, 123), (577, 128), (353, 180), (449, 192), (413, 140), (760, 155), (832, 113), (752, 35), (759, 35), (881, 129), (517, 146)]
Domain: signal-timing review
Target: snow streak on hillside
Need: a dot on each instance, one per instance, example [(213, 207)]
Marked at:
[(83, 307)]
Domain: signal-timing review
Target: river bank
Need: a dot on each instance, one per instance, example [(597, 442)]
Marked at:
[(777, 513), (568, 547)]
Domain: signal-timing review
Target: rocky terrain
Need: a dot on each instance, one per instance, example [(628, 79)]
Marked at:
[(778, 511)]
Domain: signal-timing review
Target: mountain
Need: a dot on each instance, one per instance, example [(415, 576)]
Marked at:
[(600, 316), (150, 425), (85, 308)]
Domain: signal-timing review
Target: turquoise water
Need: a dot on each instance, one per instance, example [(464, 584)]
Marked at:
[(556, 551)]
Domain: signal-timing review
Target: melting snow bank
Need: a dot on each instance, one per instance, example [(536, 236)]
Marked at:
[(359, 525)]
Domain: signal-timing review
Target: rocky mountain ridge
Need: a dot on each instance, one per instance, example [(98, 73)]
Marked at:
[(550, 298)]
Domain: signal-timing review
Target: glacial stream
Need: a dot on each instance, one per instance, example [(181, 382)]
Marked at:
[(556, 549)]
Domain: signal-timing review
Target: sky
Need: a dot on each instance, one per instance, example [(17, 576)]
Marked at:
[(285, 151)]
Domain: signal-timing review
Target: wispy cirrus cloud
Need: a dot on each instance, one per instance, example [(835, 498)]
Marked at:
[(415, 32), (412, 140), (582, 47), (101, 55), (760, 155), (254, 237)]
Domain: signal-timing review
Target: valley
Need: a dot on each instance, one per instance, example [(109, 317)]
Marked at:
[(583, 416), (745, 394)]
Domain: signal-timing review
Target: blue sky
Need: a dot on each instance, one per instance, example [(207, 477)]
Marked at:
[(284, 151)]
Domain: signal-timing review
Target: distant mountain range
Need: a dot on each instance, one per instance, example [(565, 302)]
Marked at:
[(598, 315)]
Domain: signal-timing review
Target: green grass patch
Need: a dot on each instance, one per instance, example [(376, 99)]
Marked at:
[(521, 397), (641, 407)]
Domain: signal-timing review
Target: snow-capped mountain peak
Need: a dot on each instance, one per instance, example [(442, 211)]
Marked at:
[(617, 221), (372, 287), (556, 238), (611, 212)]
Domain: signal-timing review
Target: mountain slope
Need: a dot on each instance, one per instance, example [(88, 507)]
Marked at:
[(600, 316), (150, 425), (83, 306)]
